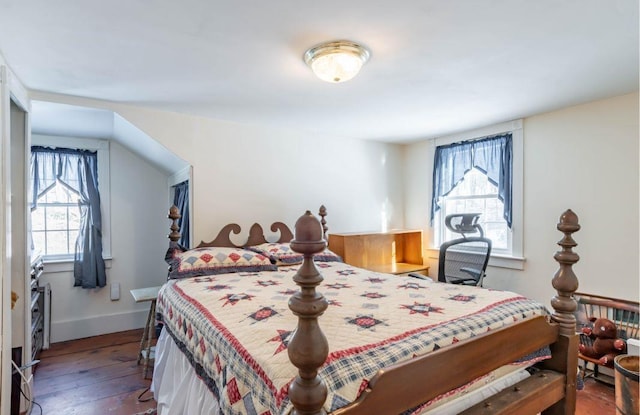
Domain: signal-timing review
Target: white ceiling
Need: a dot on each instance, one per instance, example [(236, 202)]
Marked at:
[(436, 66)]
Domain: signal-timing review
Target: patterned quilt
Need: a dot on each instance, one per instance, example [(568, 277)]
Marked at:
[(234, 328)]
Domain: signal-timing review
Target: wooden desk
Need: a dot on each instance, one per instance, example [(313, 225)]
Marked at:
[(396, 252), (146, 352)]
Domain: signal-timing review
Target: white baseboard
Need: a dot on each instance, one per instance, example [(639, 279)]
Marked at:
[(97, 325)]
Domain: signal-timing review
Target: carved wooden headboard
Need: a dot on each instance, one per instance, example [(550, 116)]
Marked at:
[(256, 233)]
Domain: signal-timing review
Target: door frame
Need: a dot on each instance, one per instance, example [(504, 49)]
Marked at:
[(10, 90)]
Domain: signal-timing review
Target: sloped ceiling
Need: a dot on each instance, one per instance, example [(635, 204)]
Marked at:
[(436, 66), (48, 118)]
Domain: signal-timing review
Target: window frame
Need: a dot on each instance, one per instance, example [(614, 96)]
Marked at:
[(100, 146), (46, 230), (516, 259), (441, 231)]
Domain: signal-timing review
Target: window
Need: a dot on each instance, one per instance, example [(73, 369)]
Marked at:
[(181, 201), (475, 193), (55, 222), (460, 184), (70, 220), (104, 185)]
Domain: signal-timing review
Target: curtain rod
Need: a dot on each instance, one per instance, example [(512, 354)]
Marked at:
[(473, 140)]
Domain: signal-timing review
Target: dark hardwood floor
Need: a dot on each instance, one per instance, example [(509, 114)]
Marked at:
[(99, 375), (96, 375)]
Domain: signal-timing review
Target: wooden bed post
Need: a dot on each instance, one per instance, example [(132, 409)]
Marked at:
[(308, 348), (323, 213), (565, 282), (174, 215)]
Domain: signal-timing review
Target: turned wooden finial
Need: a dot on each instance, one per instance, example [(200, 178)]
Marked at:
[(174, 215), (323, 221), (565, 281), (308, 348)]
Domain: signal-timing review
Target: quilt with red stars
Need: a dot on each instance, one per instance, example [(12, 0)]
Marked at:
[(234, 328)]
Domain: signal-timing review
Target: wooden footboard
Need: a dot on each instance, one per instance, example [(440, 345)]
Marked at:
[(406, 385)]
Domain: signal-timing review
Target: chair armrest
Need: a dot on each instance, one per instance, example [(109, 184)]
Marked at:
[(456, 280)]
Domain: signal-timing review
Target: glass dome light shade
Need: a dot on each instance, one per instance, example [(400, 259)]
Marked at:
[(336, 61)]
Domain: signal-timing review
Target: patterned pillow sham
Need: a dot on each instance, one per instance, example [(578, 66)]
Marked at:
[(327, 256), (217, 260), (282, 254)]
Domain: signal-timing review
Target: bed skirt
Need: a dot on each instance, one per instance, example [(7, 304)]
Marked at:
[(179, 391), (175, 386)]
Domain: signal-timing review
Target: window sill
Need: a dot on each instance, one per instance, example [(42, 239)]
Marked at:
[(496, 260), (65, 265), (507, 261)]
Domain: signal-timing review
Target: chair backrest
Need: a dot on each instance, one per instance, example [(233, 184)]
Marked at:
[(464, 223), (464, 258), (624, 313)]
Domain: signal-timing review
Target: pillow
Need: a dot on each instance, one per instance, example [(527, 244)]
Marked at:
[(217, 260), (327, 256), (174, 249), (278, 253), (282, 254)]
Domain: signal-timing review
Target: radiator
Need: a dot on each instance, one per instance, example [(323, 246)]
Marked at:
[(46, 292)]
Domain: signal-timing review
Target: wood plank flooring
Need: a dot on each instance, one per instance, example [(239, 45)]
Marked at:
[(99, 375), (596, 399), (96, 375)]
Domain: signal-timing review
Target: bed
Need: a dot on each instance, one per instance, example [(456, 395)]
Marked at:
[(246, 330)]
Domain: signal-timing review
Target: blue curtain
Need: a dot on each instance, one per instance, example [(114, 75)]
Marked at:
[(491, 155), (181, 201), (78, 170)]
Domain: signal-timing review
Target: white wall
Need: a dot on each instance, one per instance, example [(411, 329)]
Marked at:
[(246, 174), (584, 158), (138, 243)]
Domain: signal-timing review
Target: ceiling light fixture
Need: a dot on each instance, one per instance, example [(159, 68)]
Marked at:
[(336, 61)]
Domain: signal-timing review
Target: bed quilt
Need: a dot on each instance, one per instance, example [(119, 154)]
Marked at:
[(235, 328)]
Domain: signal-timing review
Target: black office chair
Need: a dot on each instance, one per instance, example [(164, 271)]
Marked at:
[(464, 260)]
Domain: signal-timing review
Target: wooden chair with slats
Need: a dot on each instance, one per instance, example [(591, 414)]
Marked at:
[(624, 313)]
